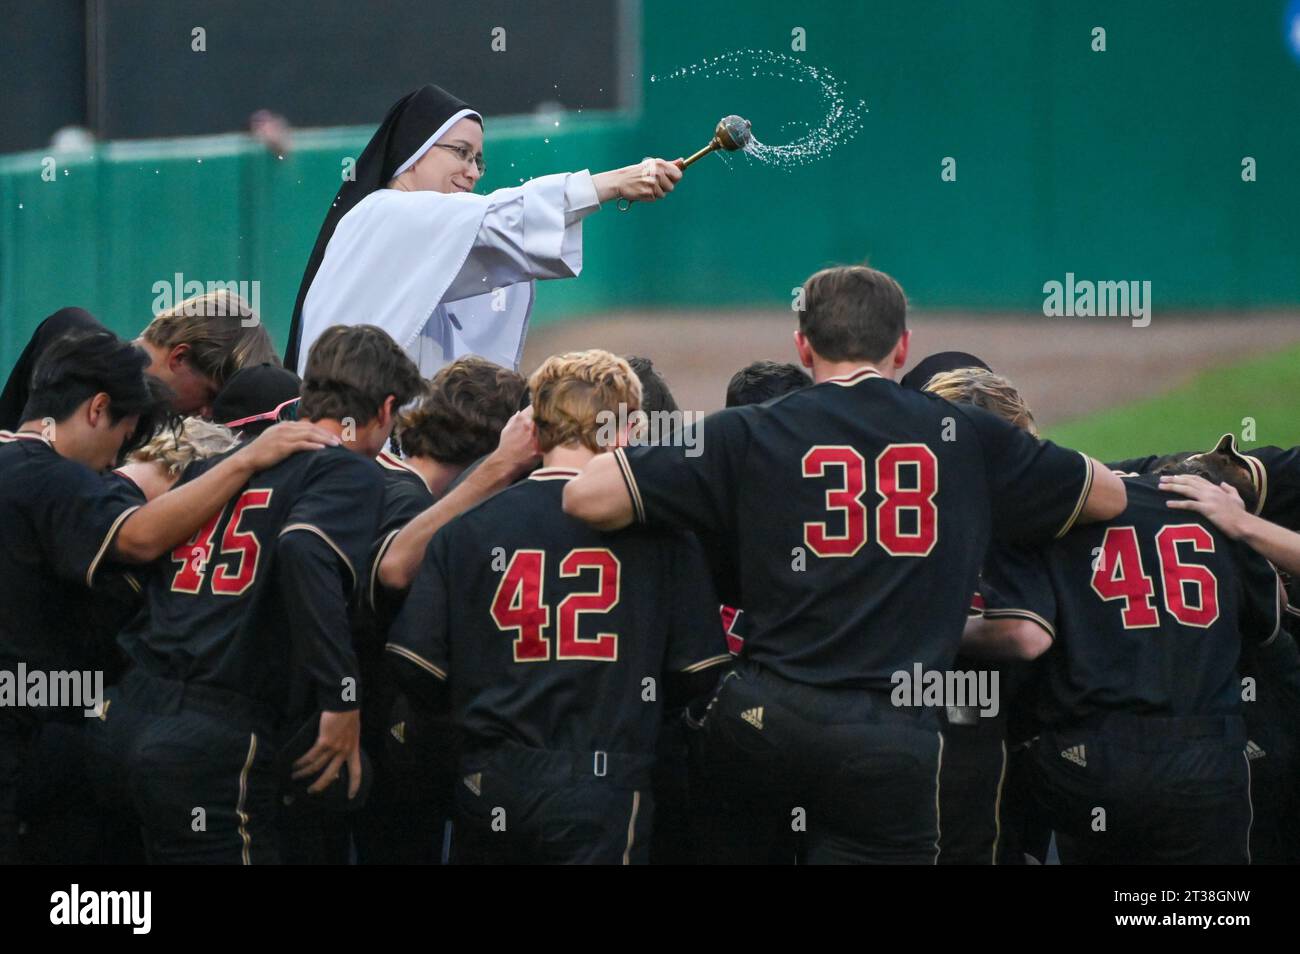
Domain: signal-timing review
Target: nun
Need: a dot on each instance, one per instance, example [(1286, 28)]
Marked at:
[(408, 246)]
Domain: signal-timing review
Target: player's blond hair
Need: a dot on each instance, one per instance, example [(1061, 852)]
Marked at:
[(574, 393), (984, 389), (175, 449), (223, 332)]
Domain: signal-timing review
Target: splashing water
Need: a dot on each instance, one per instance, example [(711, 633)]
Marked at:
[(841, 122)]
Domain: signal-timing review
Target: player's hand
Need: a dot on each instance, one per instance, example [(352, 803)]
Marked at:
[(282, 440), (338, 742), (516, 451), (1221, 505)]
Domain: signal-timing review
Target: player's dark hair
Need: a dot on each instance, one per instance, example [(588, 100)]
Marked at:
[(77, 367), (352, 370), (1215, 467), (764, 380), (655, 395), (461, 417), (852, 313)]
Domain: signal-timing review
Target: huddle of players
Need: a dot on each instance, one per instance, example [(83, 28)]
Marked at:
[(552, 672)]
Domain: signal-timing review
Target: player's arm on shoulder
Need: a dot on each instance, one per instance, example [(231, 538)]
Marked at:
[(1107, 496), (173, 517), (416, 651), (516, 452), (599, 495), (1006, 637)]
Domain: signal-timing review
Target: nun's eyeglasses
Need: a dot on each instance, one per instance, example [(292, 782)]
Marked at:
[(465, 154)]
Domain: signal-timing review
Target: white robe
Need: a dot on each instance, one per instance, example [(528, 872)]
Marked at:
[(426, 267)]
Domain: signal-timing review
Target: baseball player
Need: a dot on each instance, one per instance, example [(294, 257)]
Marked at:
[(1141, 757), (90, 398), (246, 642), (859, 514), (558, 644)]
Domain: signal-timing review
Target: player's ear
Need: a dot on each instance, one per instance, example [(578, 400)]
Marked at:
[(803, 348), (178, 357), (900, 349), (97, 410)]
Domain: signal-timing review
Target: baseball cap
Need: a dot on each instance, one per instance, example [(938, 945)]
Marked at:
[(937, 363), (254, 398)]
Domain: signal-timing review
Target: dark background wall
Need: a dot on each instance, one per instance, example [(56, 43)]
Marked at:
[(127, 69)]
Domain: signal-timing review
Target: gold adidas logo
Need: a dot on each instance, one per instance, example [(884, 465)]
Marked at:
[(1076, 754), (474, 783), (398, 732), (754, 717)]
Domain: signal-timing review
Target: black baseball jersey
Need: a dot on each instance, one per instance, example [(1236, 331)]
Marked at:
[(1274, 471), (263, 589), (406, 496), (1148, 612), (554, 635), (858, 513), (59, 519)]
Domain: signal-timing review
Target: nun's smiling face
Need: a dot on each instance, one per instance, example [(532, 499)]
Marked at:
[(451, 164)]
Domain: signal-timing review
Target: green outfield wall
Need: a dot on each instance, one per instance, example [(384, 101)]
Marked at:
[(1116, 165)]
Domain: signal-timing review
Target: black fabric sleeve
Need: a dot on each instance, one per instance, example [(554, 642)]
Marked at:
[(18, 387), (417, 639), (78, 515), (1263, 598), (325, 539), (1015, 584), (692, 487), (1276, 475), (1134, 465), (696, 641), (1038, 489), (313, 592)]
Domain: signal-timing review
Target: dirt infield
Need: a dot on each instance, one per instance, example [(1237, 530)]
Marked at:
[(1066, 367)]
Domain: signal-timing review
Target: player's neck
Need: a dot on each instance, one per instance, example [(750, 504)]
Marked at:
[(825, 370), (61, 436), (570, 457), (437, 475)]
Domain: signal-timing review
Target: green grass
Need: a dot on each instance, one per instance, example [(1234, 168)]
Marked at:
[(1194, 416)]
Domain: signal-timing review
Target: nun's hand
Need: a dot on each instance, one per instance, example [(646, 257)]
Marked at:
[(646, 181)]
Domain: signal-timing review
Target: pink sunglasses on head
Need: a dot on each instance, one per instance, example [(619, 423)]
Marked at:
[(287, 411)]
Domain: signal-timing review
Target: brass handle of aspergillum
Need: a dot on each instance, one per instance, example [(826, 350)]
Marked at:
[(733, 133)]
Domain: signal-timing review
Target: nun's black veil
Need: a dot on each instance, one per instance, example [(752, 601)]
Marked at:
[(404, 132)]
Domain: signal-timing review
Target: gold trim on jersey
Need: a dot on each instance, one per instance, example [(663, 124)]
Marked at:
[(243, 795), (389, 462), (708, 663), (1281, 608), (854, 377), (631, 827), (938, 814), (1258, 477), (554, 473), (629, 480), (1013, 613), (384, 544), (997, 806), (1083, 498), (416, 658), (312, 528), (107, 541)]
